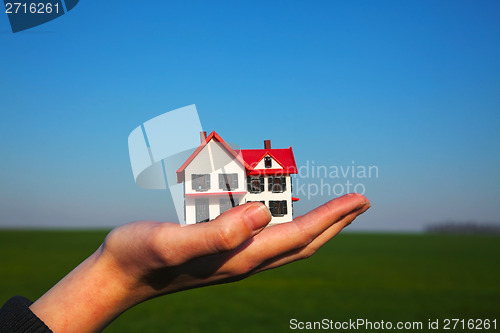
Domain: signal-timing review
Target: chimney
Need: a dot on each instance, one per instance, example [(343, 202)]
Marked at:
[(203, 136), (267, 144)]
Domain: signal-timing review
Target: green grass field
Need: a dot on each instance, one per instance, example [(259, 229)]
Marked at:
[(369, 276)]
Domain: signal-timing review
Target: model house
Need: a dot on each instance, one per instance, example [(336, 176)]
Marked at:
[(217, 177)]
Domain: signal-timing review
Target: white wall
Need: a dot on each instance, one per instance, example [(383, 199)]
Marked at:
[(214, 206), (266, 196), (213, 159)]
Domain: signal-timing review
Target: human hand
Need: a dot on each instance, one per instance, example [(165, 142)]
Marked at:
[(142, 260)]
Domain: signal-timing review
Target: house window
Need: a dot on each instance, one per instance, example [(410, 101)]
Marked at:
[(267, 161), (228, 181), (257, 201), (200, 183), (278, 207), (255, 184), (226, 204), (202, 211), (276, 184)]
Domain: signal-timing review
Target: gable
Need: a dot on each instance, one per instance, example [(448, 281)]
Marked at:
[(283, 161), (262, 163), (221, 145), (212, 157)]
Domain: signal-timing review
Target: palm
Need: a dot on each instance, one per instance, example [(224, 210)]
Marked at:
[(165, 257)]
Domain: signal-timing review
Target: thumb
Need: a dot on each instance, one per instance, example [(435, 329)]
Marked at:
[(228, 231)]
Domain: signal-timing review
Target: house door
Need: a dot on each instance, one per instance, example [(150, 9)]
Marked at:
[(202, 211)]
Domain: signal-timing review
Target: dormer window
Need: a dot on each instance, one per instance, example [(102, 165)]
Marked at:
[(267, 161)]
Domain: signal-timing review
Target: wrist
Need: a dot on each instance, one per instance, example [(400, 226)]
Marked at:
[(88, 298)]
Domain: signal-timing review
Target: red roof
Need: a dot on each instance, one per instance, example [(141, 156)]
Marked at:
[(249, 158), (284, 157)]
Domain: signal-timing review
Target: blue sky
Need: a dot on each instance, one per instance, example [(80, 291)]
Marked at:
[(412, 87)]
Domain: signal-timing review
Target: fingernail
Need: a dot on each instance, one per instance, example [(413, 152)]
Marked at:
[(364, 203), (257, 216), (363, 207)]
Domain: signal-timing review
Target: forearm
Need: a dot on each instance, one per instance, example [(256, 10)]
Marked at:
[(88, 298)]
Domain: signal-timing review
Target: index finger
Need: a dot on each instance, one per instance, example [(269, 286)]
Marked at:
[(285, 237)]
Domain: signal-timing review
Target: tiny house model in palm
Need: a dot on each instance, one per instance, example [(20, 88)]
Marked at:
[(217, 177)]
